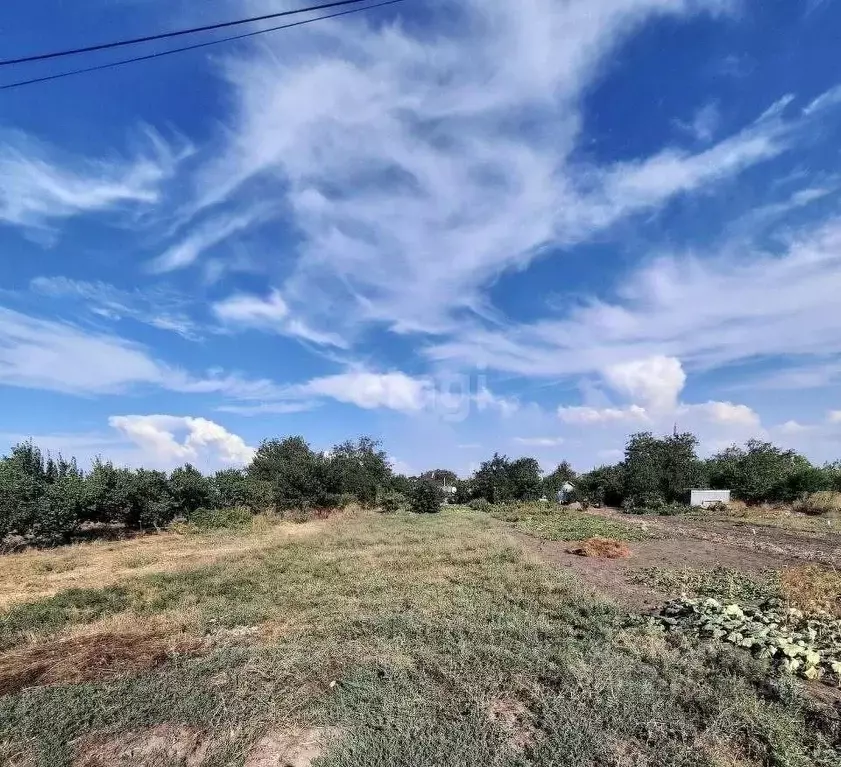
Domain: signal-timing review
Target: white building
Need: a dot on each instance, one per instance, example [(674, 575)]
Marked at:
[(705, 498)]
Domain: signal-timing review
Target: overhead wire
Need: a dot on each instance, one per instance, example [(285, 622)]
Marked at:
[(175, 33), (169, 51)]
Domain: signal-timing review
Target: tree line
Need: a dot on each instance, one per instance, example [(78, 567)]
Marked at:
[(48, 500), (658, 472)]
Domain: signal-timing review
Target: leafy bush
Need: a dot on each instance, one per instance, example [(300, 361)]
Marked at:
[(391, 502), (425, 497), (822, 502), (61, 510), (480, 504), (217, 519)]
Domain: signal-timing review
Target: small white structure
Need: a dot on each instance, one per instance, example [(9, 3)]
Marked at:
[(706, 498), (564, 495)]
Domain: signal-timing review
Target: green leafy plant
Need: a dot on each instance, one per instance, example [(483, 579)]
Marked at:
[(391, 502), (480, 504), (797, 643), (219, 519), (425, 497)]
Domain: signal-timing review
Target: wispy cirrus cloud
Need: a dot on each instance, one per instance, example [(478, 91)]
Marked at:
[(403, 160), (37, 353), (40, 185), (160, 308), (271, 314), (707, 310), (205, 237)]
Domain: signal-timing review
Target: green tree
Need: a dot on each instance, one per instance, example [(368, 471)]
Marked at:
[(681, 470), (554, 481), (644, 462), (190, 489), (759, 473), (441, 476), (293, 472), (231, 488), (360, 469), (492, 481), (150, 501), (425, 497), (23, 484), (604, 486), (524, 479), (107, 491)]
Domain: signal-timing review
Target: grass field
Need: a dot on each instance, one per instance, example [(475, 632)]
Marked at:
[(368, 640)]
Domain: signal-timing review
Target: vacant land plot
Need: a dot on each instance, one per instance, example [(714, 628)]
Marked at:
[(367, 639)]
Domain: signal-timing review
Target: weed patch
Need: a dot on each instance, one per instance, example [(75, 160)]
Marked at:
[(720, 582), (568, 525), (812, 587)]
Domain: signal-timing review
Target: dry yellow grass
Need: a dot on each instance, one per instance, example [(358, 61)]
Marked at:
[(812, 587), (778, 516), (84, 658), (34, 574)]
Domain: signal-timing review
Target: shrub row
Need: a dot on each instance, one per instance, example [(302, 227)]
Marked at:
[(46, 501)]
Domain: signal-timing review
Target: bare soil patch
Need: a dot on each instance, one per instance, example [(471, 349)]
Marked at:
[(161, 745), (295, 747), (515, 720), (611, 577), (787, 544)]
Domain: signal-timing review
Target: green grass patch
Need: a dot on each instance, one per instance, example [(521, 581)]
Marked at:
[(406, 632), (49, 615), (567, 525)]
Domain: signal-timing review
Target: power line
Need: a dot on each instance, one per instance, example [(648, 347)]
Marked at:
[(121, 62), (176, 33)]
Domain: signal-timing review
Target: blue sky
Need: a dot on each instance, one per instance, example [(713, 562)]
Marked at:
[(460, 226)]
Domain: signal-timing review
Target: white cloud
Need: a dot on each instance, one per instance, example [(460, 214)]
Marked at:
[(725, 413), (170, 440), (402, 157), (370, 391), (741, 303), (270, 314), (704, 124), (654, 382), (834, 416), (540, 441), (252, 311), (47, 354), (829, 98), (207, 236), (43, 354), (593, 415), (794, 427), (156, 307), (269, 408), (40, 186)]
